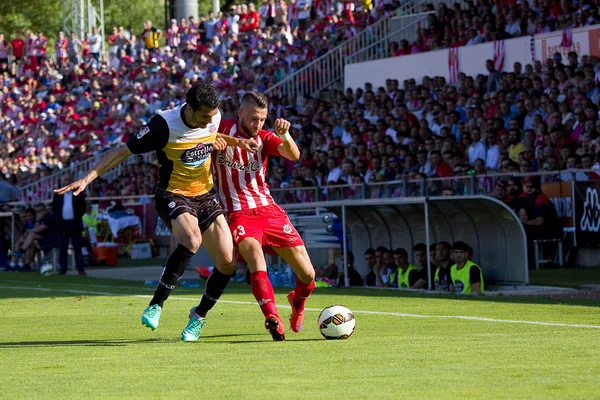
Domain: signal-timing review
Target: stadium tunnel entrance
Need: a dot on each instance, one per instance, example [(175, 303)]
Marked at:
[(489, 226)]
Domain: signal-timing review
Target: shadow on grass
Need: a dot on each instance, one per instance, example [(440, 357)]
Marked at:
[(94, 343), (127, 342)]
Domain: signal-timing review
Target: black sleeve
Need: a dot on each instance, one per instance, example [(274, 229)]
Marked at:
[(152, 137), (474, 274), (413, 277), (423, 274)]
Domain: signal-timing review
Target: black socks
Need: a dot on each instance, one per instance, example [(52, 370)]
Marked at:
[(176, 265), (215, 285)]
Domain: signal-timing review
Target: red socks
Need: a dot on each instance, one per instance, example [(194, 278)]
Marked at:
[(263, 292), (301, 293)]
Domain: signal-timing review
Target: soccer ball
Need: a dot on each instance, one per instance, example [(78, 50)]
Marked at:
[(336, 322), (47, 269)]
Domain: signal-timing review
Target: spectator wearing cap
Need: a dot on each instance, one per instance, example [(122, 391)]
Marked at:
[(466, 276), (406, 274)]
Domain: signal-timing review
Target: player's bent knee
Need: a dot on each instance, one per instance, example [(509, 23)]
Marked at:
[(306, 276), (192, 242), (227, 268)]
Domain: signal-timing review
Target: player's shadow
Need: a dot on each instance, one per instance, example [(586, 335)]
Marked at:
[(256, 341), (69, 343)]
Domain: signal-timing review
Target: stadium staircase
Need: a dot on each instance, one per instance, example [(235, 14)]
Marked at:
[(328, 70)]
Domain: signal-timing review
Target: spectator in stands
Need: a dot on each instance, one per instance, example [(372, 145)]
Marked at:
[(466, 276), (405, 275)]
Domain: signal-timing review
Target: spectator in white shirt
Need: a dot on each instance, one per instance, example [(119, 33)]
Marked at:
[(573, 162), (474, 37), (334, 171), (513, 25), (492, 159), (95, 43), (477, 148), (346, 135)]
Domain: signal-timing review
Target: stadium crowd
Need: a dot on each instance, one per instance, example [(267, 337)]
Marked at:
[(62, 109), (58, 111), (477, 22)]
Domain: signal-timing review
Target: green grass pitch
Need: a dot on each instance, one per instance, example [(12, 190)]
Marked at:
[(77, 338)]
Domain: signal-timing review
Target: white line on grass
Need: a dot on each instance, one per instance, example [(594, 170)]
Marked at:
[(394, 314)]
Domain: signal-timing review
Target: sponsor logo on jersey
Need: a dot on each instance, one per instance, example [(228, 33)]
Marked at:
[(197, 155), (252, 166), (142, 132)]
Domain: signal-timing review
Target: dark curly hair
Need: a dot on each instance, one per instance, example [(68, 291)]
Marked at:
[(202, 95)]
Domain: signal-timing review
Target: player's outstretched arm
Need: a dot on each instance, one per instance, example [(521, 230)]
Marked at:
[(244, 144), (108, 162), (288, 147)]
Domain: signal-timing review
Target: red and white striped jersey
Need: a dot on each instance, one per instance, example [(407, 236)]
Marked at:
[(173, 38), (30, 47), (240, 175), (3, 49), (40, 46), (61, 48)]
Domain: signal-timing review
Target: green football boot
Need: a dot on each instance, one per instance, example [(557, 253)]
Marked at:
[(151, 316), (192, 331)]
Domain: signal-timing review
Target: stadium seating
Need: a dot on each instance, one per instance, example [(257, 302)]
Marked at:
[(65, 111)]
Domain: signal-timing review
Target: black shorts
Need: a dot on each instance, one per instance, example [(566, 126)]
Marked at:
[(47, 243), (205, 207)]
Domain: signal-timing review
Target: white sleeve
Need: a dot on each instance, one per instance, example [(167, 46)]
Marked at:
[(385, 277)]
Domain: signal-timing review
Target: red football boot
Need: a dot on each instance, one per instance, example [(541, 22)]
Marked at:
[(275, 327), (297, 316)]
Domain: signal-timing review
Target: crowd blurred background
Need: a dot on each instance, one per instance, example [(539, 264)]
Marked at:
[(70, 103)]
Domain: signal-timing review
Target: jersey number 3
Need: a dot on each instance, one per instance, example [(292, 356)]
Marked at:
[(238, 232)]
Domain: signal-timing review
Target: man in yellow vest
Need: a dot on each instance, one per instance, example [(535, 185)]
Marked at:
[(406, 275), (151, 37), (466, 276)]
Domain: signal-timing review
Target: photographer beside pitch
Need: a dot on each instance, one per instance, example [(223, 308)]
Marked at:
[(183, 138)]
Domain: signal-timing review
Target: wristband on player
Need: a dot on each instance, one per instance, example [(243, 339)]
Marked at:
[(286, 137)]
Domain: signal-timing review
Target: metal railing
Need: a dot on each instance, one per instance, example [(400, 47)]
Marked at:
[(381, 48), (483, 184), (328, 69), (42, 189)]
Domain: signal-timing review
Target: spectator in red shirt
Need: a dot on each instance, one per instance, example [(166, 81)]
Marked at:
[(439, 167), (17, 45)]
